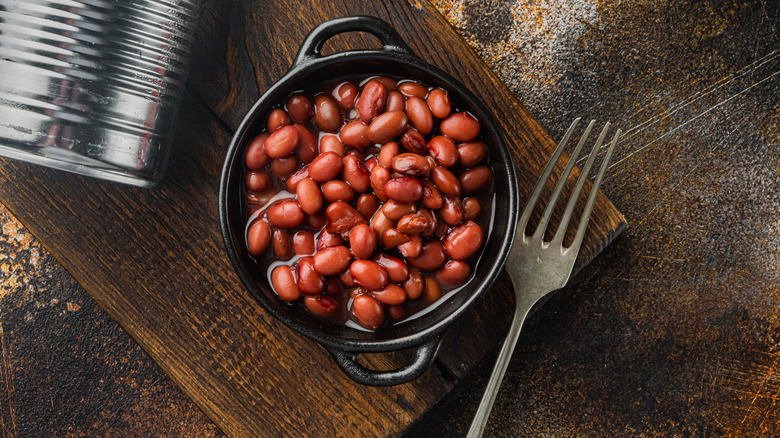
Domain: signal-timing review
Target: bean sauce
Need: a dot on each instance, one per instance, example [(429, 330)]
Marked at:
[(367, 200)]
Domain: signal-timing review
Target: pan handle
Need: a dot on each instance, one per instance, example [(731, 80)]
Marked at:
[(312, 45), (423, 357)]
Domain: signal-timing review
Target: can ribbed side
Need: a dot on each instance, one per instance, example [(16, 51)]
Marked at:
[(94, 83)]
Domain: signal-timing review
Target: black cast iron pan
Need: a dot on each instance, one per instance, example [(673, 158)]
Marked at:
[(423, 334)]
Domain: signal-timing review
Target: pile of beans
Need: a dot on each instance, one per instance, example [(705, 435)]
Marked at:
[(364, 200)]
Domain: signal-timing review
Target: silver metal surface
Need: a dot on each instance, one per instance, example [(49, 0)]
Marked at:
[(94, 86), (536, 267)]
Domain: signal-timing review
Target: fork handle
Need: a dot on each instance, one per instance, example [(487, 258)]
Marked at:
[(483, 411)]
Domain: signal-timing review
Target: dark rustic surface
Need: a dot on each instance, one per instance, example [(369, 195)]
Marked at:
[(66, 368), (153, 260), (671, 331)]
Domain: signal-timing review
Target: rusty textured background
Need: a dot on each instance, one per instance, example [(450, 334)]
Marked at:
[(673, 331), (67, 369)]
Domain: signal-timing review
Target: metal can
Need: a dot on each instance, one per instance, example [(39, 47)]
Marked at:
[(94, 86)]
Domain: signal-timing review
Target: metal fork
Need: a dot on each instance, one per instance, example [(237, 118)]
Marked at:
[(537, 267)]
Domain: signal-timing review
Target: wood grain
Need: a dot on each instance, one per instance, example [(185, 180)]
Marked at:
[(154, 259), (264, 45)]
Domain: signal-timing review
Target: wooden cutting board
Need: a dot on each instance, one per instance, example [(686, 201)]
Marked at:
[(154, 260)]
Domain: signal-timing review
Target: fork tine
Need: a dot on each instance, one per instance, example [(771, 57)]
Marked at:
[(523, 222), (575, 194), (539, 233), (593, 193)]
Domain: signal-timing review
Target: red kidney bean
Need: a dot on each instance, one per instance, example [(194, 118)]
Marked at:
[(282, 243), (471, 153), (356, 174), (367, 204), (389, 83), (345, 94), (433, 222), (397, 270), (333, 286), (413, 141), (410, 164), (258, 237), (386, 154), (303, 243), (285, 214), (306, 151), (356, 291), (362, 240), (395, 102), (258, 181), (443, 151), (404, 189), (380, 223), (331, 143), (414, 284), (285, 166), (431, 257), (414, 223), (299, 108), (368, 311), (453, 273), (452, 210), (391, 238), (396, 312), (360, 155), (439, 102), (282, 142), (475, 180), (461, 127), (327, 114), (387, 126), (463, 241), (432, 290), (431, 196), (309, 196), (332, 260), (346, 278), (371, 163), (431, 165), (445, 181), (276, 119), (419, 115), (258, 199), (391, 294), (325, 167), (372, 100), (412, 248), (255, 156), (337, 190), (471, 209), (328, 239), (295, 178), (310, 282), (368, 274), (317, 221), (355, 134), (283, 281), (396, 210), (321, 306), (442, 230), (410, 89), (342, 218), (379, 178)]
